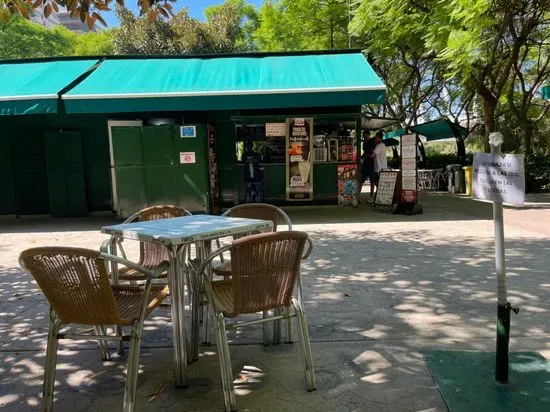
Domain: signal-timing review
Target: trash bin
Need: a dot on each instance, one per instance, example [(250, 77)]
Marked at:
[(468, 178), (451, 181), (460, 185)]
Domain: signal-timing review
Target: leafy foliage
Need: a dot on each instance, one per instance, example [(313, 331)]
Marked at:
[(228, 28), (93, 44), (537, 173), (20, 39), (89, 11), (303, 25)]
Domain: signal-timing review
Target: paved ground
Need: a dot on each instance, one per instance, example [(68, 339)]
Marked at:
[(379, 289)]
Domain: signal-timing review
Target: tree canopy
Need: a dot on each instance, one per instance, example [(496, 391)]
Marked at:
[(228, 28), (304, 24), (21, 39), (89, 11)]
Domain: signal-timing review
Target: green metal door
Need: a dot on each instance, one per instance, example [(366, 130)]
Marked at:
[(128, 169), (7, 190), (230, 176), (65, 172), (168, 178), (29, 167), (149, 170)]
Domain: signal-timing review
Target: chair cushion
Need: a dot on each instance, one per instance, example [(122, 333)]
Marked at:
[(224, 269), (222, 291), (130, 298)]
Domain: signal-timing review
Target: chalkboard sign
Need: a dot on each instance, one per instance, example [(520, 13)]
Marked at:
[(387, 189)]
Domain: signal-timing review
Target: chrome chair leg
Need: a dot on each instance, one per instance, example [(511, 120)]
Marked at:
[(265, 315), (277, 327), (288, 311), (103, 344), (305, 346), (51, 361), (118, 332), (225, 365), (132, 369)]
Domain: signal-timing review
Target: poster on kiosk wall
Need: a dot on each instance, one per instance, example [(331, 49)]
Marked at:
[(299, 159)]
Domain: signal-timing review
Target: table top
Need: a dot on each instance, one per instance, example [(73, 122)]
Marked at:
[(186, 229)]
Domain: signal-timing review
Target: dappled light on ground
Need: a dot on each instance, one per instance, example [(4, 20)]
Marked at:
[(378, 290)]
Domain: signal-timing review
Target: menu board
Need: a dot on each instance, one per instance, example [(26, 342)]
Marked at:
[(213, 165), (385, 193), (299, 159), (348, 176), (408, 169), (275, 129)]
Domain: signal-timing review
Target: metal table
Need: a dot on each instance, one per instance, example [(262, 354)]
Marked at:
[(175, 234)]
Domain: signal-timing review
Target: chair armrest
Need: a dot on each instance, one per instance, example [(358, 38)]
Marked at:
[(151, 274), (211, 257), (116, 240), (309, 249), (285, 217)]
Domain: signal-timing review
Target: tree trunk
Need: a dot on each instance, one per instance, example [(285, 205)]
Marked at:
[(489, 109), (528, 137)]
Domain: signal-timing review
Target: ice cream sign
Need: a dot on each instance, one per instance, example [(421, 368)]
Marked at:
[(299, 142)]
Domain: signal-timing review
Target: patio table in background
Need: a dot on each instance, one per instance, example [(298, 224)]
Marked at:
[(175, 234)]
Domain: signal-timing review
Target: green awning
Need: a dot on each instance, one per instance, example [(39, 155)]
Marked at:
[(545, 92), (434, 130), (440, 129), (28, 88), (394, 133), (257, 81)]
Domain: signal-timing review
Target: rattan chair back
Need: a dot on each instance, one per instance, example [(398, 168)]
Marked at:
[(75, 283), (265, 268), (152, 255), (261, 211)]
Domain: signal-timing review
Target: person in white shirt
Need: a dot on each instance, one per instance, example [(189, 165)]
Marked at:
[(380, 156)]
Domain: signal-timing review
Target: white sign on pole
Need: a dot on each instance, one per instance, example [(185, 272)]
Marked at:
[(408, 152), (408, 182), (187, 157), (408, 164), (408, 140), (499, 178)]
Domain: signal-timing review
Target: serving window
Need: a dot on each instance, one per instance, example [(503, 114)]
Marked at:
[(333, 141)]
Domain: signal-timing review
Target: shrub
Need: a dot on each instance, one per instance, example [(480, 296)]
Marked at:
[(537, 173)]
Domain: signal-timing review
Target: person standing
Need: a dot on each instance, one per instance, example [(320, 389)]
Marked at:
[(253, 174), (367, 168), (379, 154)]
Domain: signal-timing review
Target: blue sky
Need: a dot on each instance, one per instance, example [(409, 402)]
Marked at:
[(196, 8)]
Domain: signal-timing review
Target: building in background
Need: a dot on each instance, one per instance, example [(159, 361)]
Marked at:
[(62, 18)]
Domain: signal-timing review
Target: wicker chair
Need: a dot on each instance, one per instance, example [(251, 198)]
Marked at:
[(266, 268), (76, 284), (150, 255), (262, 211)]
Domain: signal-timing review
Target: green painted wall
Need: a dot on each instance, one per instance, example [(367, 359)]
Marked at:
[(230, 177), (23, 178), (148, 169)]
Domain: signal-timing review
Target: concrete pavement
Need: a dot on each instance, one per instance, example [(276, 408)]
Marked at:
[(379, 290)]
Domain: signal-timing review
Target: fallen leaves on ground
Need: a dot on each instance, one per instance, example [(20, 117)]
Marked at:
[(156, 392)]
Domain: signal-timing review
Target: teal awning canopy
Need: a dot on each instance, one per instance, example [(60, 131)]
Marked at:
[(255, 81), (434, 130), (440, 129), (33, 87), (545, 92), (394, 133)]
